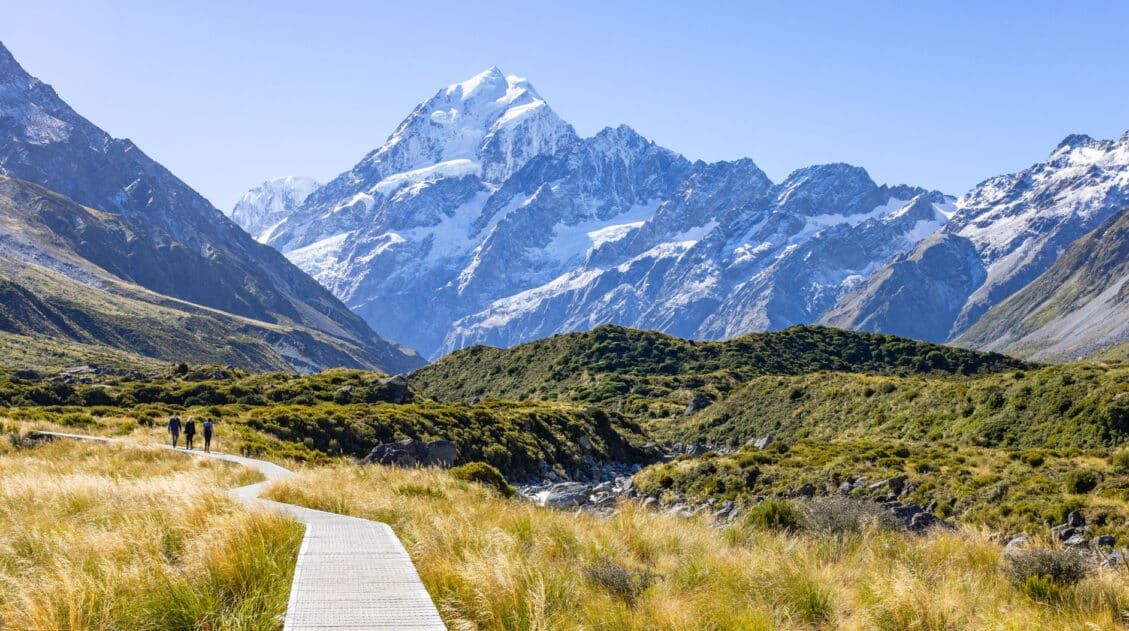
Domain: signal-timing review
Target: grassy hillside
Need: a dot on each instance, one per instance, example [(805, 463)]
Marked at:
[(99, 537), (21, 352), (1072, 405), (492, 563), (334, 414), (649, 374), (1009, 491)]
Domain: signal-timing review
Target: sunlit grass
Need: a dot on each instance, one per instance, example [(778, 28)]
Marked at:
[(492, 563), (97, 536)]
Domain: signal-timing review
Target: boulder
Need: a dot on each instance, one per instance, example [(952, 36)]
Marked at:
[(763, 442), (1106, 541), (697, 402), (414, 453), (566, 494), (1075, 519), (1062, 532), (1076, 541), (441, 453), (396, 389), (1015, 543)]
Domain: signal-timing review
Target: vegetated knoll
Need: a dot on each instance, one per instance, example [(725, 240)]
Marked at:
[(1069, 405), (74, 274), (652, 374), (1006, 490), (332, 414)]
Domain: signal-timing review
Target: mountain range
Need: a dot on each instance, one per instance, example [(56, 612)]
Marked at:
[(103, 244), (485, 218)]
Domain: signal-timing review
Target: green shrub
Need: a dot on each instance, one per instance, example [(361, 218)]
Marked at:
[(1042, 572), (619, 580), (774, 514), (1119, 460), (1082, 481), (484, 474), (845, 516)]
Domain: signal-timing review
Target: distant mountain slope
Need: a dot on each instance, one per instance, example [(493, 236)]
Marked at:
[(1006, 232), (648, 373), (1078, 307), (484, 218), (180, 245), (62, 277)]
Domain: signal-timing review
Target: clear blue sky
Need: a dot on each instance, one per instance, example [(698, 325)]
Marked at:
[(938, 94)]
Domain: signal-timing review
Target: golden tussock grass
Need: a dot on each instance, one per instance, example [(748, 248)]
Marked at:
[(492, 563), (109, 537)]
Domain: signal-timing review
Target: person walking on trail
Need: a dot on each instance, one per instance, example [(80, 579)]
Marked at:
[(189, 432), (208, 427), (174, 429)]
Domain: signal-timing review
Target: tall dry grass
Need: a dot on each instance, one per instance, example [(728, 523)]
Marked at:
[(108, 537), (492, 563)]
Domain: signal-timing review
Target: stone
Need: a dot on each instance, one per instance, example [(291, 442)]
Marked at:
[(806, 490), (1075, 519), (585, 443), (845, 488), (414, 453), (1076, 541), (1107, 541), (396, 389), (1062, 532), (441, 453), (1016, 542), (567, 494), (764, 442), (697, 402), (649, 502), (895, 484)]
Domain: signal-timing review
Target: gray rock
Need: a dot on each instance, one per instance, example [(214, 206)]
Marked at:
[(567, 494), (1062, 532), (1016, 542), (764, 442), (441, 453), (1076, 541), (845, 488), (1075, 519), (414, 453), (396, 389), (697, 402)]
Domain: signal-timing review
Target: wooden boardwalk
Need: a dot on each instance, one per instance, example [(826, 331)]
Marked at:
[(351, 573)]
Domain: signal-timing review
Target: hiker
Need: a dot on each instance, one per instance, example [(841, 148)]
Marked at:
[(208, 435), (174, 428), (189, 432)]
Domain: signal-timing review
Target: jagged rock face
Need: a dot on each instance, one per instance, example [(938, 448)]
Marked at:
[(484, 218), (1078, 307), (1017, 224), (182, 246), (264, 207)]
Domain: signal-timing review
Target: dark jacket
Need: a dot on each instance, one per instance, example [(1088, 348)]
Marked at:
[(174, 425), (190, 428)]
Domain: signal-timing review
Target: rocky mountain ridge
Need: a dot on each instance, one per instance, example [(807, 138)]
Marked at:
[(484, 218)]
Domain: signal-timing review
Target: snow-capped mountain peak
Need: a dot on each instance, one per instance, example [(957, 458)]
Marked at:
[(490, 124), (262, 209), (485, 218)]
